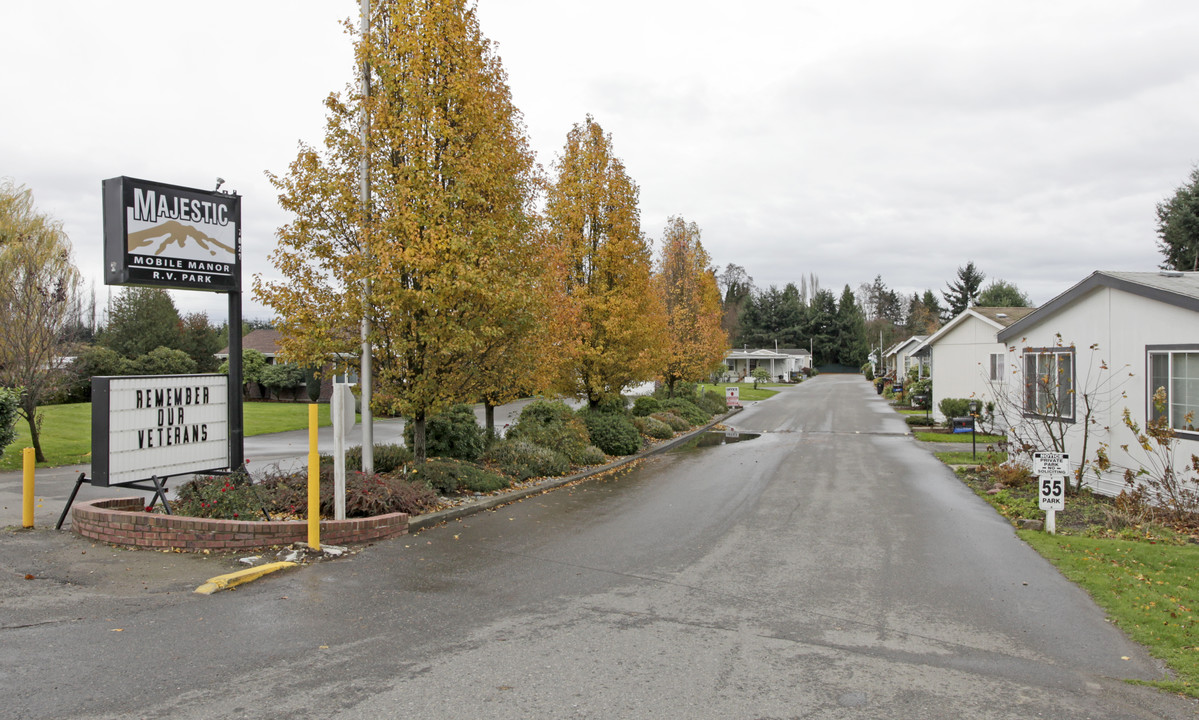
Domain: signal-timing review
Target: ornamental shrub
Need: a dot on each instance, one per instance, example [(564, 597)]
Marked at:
[(954, 407), (590, 456), (646, 405), (919, 421), (9, 397), (651, 427), (450, 476), (523, 460), (388, 458), (614, 434), (225, 497), (454, 433), (712, 401), (675, 422), (366, 495), (552, 424), (612, 403), (686, 410)]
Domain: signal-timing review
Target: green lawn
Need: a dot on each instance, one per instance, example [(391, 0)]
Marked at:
[(67, 430), (965, 457), (1143, 576), (1151, 591), (979, 438), (746, 392)]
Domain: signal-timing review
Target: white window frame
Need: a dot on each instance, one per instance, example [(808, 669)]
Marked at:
[(1176, 408), (997, 368), (1049, 362)]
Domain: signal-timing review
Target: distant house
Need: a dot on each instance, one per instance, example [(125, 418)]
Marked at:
[(783, 363), (1104, 345), (899, 358), (966, 358)]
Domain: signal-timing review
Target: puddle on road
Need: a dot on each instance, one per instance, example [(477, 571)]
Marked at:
[(716, 437)]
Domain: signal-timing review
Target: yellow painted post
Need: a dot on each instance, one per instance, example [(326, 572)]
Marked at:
[(27, 489), (314, 482)]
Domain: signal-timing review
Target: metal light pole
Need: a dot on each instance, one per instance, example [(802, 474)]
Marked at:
[(364, 188)]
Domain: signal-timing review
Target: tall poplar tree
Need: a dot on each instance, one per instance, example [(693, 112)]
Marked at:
[(686, 285), (592, 214), (445, 242)]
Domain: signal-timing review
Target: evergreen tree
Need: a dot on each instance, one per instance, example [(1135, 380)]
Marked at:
[(141, 320), (736, 288), (851, 346), (963, 292), (1178, 226)]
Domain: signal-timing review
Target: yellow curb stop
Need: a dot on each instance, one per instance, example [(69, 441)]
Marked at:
[(223, 582)]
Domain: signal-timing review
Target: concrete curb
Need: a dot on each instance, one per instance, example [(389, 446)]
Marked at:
[(491, 502), (233, 579)]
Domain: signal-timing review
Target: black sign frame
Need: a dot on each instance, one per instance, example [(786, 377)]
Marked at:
[(185, 221)]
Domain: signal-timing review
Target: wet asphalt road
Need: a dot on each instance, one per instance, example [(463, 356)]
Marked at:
[(829, 568)]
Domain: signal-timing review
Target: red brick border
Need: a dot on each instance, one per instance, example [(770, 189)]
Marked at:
[(123, 521)]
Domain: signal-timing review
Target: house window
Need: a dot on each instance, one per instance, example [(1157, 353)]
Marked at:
[(996, 369), (1049, 383), (1176, 371)]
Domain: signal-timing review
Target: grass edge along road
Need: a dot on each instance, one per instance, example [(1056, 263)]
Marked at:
[(1147, 586), (746, 393), (67, 430), (1148, 590)]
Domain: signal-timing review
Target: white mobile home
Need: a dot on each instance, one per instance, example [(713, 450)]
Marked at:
[(1104, 345), (966, 358)]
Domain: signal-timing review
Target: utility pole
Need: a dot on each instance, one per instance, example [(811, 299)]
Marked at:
[(364, 187)]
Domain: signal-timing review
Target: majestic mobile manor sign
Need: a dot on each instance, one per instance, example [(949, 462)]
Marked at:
[(169, 236), (158, 425)]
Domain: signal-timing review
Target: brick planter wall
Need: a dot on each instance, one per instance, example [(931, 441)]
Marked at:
[(123, 521)]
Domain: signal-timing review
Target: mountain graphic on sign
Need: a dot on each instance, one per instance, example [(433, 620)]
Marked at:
[(174, 232)]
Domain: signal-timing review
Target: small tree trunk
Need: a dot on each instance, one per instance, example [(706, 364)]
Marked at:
[(489, 418), (420, 454), (30, 414)]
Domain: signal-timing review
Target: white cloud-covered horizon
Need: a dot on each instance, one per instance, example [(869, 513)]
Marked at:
[(845, 141)]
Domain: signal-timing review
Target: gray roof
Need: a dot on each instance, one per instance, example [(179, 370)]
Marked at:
[(1180, 289)]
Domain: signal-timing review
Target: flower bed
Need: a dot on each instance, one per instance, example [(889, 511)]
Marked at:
[(123, 521)]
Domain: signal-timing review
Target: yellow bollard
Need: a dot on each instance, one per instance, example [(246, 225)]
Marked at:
[(314, 482), (27, 489)]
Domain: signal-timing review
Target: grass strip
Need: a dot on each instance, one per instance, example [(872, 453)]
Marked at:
[(965, 457), (926, 436), (747, 393), (1149, 590)]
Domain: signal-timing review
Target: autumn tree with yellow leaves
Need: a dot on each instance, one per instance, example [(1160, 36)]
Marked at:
[(593, 217), (686, 285), (443, 262), (38, 286)]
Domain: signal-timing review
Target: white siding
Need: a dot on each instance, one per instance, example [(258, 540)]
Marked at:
[(1120, 325)]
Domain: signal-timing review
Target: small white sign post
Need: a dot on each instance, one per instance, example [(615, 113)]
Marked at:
[(1052, 468), (732, 397), (341, 411)]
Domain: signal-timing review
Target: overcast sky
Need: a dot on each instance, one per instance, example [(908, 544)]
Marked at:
[(846, 139)]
